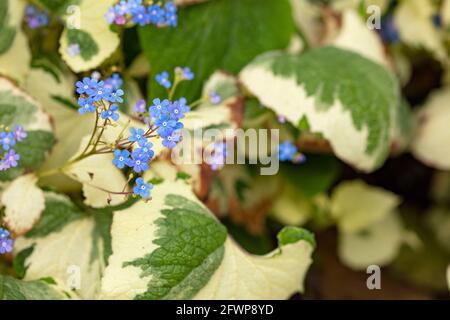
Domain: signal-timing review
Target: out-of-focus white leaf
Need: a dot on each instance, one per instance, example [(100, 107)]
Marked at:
[(24, 203)]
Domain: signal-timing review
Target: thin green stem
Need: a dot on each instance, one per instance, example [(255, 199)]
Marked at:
[(92, 135)]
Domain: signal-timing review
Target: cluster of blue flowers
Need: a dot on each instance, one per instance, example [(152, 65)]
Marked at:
[(6, 243), (288, 151), (143, 14), (100, 96), (8, 139), (162, 118), (35, 18)]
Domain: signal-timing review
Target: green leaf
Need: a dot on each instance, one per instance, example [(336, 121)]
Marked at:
[(239, 31), (15, 54), (290, 235), (315, 176), (183, 176), (174, 248), (78, 237), (32, 152), (17, 108), (59, 211), (7, 33), (19, 265), (13, 289), (97, 41), (88, 47), (185, 225), (353, 106)]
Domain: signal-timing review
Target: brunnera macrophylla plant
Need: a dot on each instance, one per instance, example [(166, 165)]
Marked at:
[(131, 148), (90, 202), (100, 257)]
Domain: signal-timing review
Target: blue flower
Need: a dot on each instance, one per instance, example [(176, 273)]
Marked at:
[(110, 15), (4, 166), (35, 18), (145, 147), (140, 16), (110, 113), (142, 189), (73, 50), (172, 140), (140, 106), (171, 14), (86, 85), (122, 8), (42, 19), (30, 10), (99, 92), (7, 140), (4, 233), (389, 32), (114, 82), (137, 135), (116, 96), (163, 79), (178, 109), (19, 133), (159, 108), (139, 161), (166, 126), (6, 245), (86, 106), (183, 105), (134, 5), (287, 151), (11, 159), (187, 74), (218, 156), (214, 98), (156, 14), (170, 7), (121, 158), (437, 20)]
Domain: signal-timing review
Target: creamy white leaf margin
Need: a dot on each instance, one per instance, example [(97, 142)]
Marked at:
[(240, 276), (209, 115), (98, 175), (64, 255), (307, 18), (69, 125), (415, 25), (370, 228), (92, 21), (342, 5), (40, 119), (15, 62), (24, 203), (286, 97), (356, 205), (97, 172), (354, 35), (432, 137), (446, 12), (378, 244), (275, 276)]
